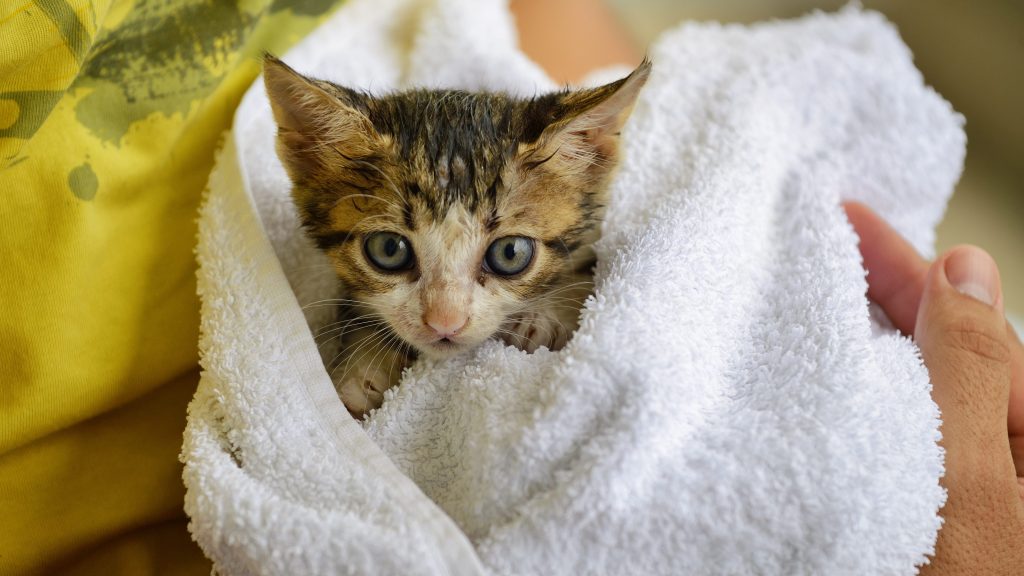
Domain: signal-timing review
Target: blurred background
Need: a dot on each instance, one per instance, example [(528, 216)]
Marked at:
[(970, 52)]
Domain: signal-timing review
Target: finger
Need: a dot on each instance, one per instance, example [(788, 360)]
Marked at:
[(896, 276), (896, 272), (962, 335)]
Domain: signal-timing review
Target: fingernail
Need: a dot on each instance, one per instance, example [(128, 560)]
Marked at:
[(973, 272)]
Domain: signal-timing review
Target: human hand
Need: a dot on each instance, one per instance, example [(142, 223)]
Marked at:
[(953, 308)]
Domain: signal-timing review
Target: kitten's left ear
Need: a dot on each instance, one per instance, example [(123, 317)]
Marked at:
[(321, 125), (587, 123)]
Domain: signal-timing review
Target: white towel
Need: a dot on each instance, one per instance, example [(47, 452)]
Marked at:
[(727, 405)]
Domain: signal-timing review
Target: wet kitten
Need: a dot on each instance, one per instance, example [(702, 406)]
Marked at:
[(450, 217)]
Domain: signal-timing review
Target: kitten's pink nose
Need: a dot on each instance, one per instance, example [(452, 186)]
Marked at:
[(445, 323)]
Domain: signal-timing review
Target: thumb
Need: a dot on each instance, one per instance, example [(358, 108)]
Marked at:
[(964, 342), (962, 334)]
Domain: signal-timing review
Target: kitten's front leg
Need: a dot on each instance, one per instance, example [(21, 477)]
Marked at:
[(531, 330), (369, 364), (550, 321)]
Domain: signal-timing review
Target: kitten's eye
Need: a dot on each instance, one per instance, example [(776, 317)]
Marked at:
[(509, 255), (387, 251)]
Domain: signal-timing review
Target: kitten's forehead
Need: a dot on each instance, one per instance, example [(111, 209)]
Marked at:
[(452, 144), (452, 244)]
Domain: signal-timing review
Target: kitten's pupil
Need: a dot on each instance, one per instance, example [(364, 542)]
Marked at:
[(510, 251), (390, 247)]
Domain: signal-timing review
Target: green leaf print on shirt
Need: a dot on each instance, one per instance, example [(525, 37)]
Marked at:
[(165, 56)]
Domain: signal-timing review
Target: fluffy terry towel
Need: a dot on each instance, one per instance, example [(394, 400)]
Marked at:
[(728, 405)]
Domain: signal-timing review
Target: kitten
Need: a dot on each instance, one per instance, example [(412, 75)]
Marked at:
[(450, 217)]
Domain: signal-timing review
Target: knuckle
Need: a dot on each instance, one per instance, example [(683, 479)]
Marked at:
[(979, 339)]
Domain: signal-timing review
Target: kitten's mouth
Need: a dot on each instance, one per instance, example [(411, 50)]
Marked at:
[(443, 347)]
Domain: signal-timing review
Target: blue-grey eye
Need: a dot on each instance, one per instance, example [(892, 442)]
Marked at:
[(388, 251), (509, 255)]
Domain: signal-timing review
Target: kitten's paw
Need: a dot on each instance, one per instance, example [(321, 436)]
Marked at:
[(363, 389), (531, 330)]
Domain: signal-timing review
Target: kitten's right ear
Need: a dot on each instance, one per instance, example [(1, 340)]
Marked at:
[(319, 124)]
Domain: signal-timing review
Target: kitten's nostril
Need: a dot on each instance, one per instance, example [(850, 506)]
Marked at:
[(446, 325)]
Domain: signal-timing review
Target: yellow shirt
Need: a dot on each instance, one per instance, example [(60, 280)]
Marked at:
[(110, 112)]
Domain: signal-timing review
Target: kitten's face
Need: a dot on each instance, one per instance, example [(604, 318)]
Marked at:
[(457, 275), (447, 212)]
